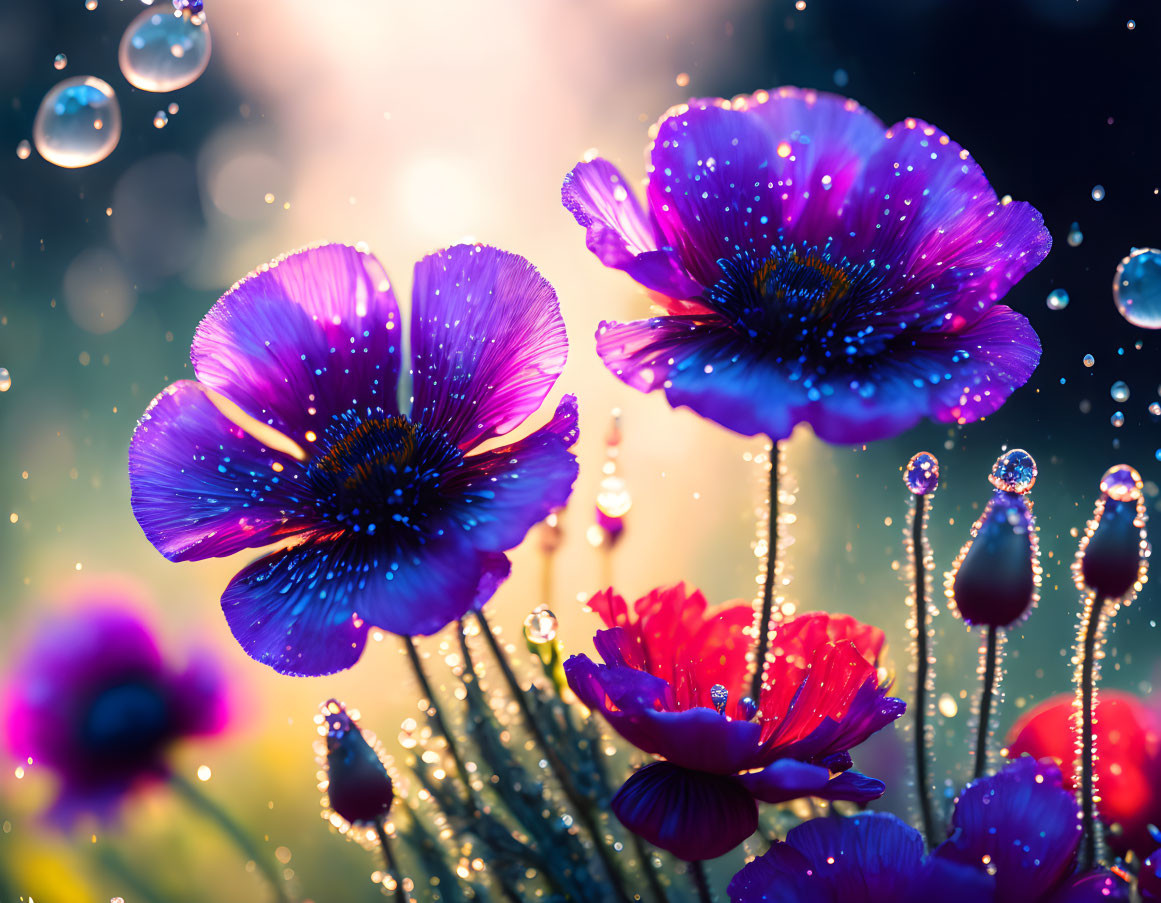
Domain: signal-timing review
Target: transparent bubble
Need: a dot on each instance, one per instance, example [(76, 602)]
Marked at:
[(1014, 471), (1118, 419), (1075, 236), (922, 473), (59, 61), (1119, 390), (163, 52), (1137, 288), (540, 626), (24, 149), (1122, 483), (1098, 192), (5, 379), (78, 123), (160, 118), (1057, 299), (1089, 360)]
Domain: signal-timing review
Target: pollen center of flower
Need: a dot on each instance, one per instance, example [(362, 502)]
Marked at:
[(125, 722), (797, 302), (377, 471)]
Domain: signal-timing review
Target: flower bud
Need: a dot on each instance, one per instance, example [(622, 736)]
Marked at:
[(358, 786), (1113, 555)]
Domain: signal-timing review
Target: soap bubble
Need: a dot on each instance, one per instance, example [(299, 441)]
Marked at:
[(163, 52), (1014, 471), (78, 123), (1119, 391), (1057, 299), (1137, 288)]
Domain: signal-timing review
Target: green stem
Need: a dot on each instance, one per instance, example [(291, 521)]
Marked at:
[(646, 857), (1095, 612), (237, 834), (583, 811), (919, 565), (768, 586), (389, 861), (986, 701), (115, 864), (434, 713), (701, 882)]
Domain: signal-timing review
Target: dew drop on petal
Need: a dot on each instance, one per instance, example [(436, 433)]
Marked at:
[(163, 52), (1137, 288), (1119, 391), (1014, 471), (5, 379), (78, 123), (1057, 299), (1089, 360)]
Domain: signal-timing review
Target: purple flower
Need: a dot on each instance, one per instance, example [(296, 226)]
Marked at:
[(92, 700), (1013, 840), (673, 684), (814, 267), (294, 431)]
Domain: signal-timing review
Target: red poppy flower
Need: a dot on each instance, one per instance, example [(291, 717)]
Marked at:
[(1128, 763)]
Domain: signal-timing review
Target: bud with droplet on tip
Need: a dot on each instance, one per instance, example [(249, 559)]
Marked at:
[(996, 578), (541, 629), (358, 786), (922, 474), (1113, 555)]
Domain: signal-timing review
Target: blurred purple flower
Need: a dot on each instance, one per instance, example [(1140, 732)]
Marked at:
[(294, 431), (1013, 839), (92, 699), (815, 267)]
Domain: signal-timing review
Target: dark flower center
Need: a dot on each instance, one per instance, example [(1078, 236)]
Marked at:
[(125, 724), (378, 471), (801, 303)]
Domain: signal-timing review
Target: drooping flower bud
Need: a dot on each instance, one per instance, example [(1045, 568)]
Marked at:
[(358, 786), (1113, 555), (996, 578)]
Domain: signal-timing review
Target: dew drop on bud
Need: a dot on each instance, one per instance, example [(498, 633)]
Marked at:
[(1014, 471), (922, 474), (540, 626), (1122, 483)]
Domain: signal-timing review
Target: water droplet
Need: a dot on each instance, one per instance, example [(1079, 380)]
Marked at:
[(78, 123), (922, 473), (1118, 419), (540, 626), (59, 61), (1098, 192), (841, 78), (1057, 299), (1155, 410), (1014, 471), (194, 6), (172, 108), (1089, 360), (5, 379), (162, 52), (719, 696), (1122, 483), (1131, 24), (90, 5), (1119, 391), (1075, 236), (1137, 288), (24, 149), (160, 119)]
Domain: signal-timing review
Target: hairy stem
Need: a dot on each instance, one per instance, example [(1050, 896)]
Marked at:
[(763, 638), (922, 789), (389, 861), (986, 701), (1094, 613)]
